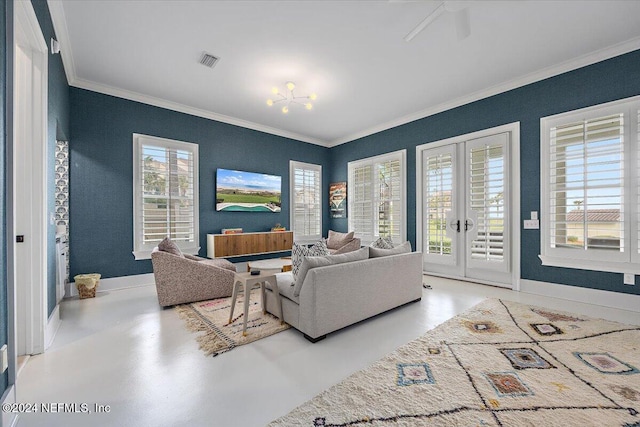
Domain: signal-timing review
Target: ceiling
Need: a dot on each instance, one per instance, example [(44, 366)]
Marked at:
[(351, 53)]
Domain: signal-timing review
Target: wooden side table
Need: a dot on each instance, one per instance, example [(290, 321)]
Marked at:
[(247, 281)]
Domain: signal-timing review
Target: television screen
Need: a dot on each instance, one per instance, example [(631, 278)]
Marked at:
[(247, 191)]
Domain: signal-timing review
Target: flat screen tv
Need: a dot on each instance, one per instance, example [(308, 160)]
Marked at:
[(241, 191)]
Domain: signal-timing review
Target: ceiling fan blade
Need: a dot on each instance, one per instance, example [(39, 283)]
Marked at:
[(463, 23), (425, 22)]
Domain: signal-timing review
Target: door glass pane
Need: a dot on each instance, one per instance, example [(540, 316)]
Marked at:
[(487, 185), (438, 182)]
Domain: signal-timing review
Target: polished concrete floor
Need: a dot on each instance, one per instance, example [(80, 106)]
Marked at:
[(122, 350)]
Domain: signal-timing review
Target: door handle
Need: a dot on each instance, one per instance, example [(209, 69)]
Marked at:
[(455, 224), (458, 226), (20, 238), (467, 225)]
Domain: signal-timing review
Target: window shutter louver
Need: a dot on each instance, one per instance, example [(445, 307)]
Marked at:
[(586, 184), (166, 204), (438, 182), (376, 197), (306, 215), (487, 187)]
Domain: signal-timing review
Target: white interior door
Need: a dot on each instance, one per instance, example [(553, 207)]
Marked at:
[(29, 182), (466, 225)]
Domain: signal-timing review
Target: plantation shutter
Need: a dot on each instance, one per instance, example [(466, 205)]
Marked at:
[(306, 220), (486, 199), (376, 197), (388, 182), (586, 184), (166, 195), (359, 188), (438, 189)]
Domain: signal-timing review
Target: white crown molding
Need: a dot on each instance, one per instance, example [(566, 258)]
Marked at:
[(59, 20), (175, 106), (59, 23), (572, 64)]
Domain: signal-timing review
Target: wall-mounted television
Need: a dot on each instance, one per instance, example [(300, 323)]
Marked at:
[(241, 191)]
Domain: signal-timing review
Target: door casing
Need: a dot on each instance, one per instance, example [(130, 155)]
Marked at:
[(514, 218)]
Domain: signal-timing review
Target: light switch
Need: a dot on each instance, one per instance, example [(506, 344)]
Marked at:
[(629, 279), (531, 224), (534, 214)]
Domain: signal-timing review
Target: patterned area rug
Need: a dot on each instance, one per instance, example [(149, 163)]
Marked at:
[(498, 364), (212, 317)]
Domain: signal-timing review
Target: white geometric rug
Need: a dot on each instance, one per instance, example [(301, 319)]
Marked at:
[(498, 364)]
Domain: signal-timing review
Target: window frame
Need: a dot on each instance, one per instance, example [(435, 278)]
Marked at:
[(293, 165), (401, 156), (595, 259), (143, 251)]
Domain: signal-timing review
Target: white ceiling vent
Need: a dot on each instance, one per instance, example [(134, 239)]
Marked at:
[(208, 60)]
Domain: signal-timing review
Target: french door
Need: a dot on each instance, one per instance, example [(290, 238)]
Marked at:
[(466, 209)]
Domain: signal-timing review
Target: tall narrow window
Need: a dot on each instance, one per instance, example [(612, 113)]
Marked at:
[(306, 200), (590, 187), (376, 196), (165, 190)]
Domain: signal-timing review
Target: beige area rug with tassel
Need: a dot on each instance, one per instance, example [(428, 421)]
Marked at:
[(218, 336), (498, 364)]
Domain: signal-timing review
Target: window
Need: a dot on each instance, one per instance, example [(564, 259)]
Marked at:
[(165, 191), (376, 197), (590, 188), (306, 201)]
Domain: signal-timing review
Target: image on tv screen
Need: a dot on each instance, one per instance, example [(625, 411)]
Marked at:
[(241, 191)]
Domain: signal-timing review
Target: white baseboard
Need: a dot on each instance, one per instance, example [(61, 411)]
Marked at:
[(9, 419), (113, 283), (53, 324), (617, 300)]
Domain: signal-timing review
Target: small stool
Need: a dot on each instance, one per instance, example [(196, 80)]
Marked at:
[(247, 280)]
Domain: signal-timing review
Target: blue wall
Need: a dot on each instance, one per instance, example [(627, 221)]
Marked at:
[(606, 81), (101, 175), (58, 128), (6, 16)]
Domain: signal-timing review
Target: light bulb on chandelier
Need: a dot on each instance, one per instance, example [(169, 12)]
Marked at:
[(290, 98)]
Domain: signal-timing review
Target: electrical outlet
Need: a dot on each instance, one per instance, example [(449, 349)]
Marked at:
[(5, 358), (629, 279)]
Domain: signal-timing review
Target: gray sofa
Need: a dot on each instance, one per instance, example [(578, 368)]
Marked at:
[(335, 296)]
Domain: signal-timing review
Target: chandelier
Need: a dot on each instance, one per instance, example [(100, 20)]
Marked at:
[(289, 98)]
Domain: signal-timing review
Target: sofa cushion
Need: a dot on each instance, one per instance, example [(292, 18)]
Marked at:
[(353, 245), (167, 245), (337, 240), (285, 284), (383, 243), (322, 261), (299, 252), (400, 249)]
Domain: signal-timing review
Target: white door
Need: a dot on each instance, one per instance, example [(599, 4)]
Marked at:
[(466, 227), (29, 182)]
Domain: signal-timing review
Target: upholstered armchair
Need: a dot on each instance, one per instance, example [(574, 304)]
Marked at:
[(186, 278)]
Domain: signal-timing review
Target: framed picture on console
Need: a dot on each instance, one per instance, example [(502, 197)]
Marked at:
[(338, 199)]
